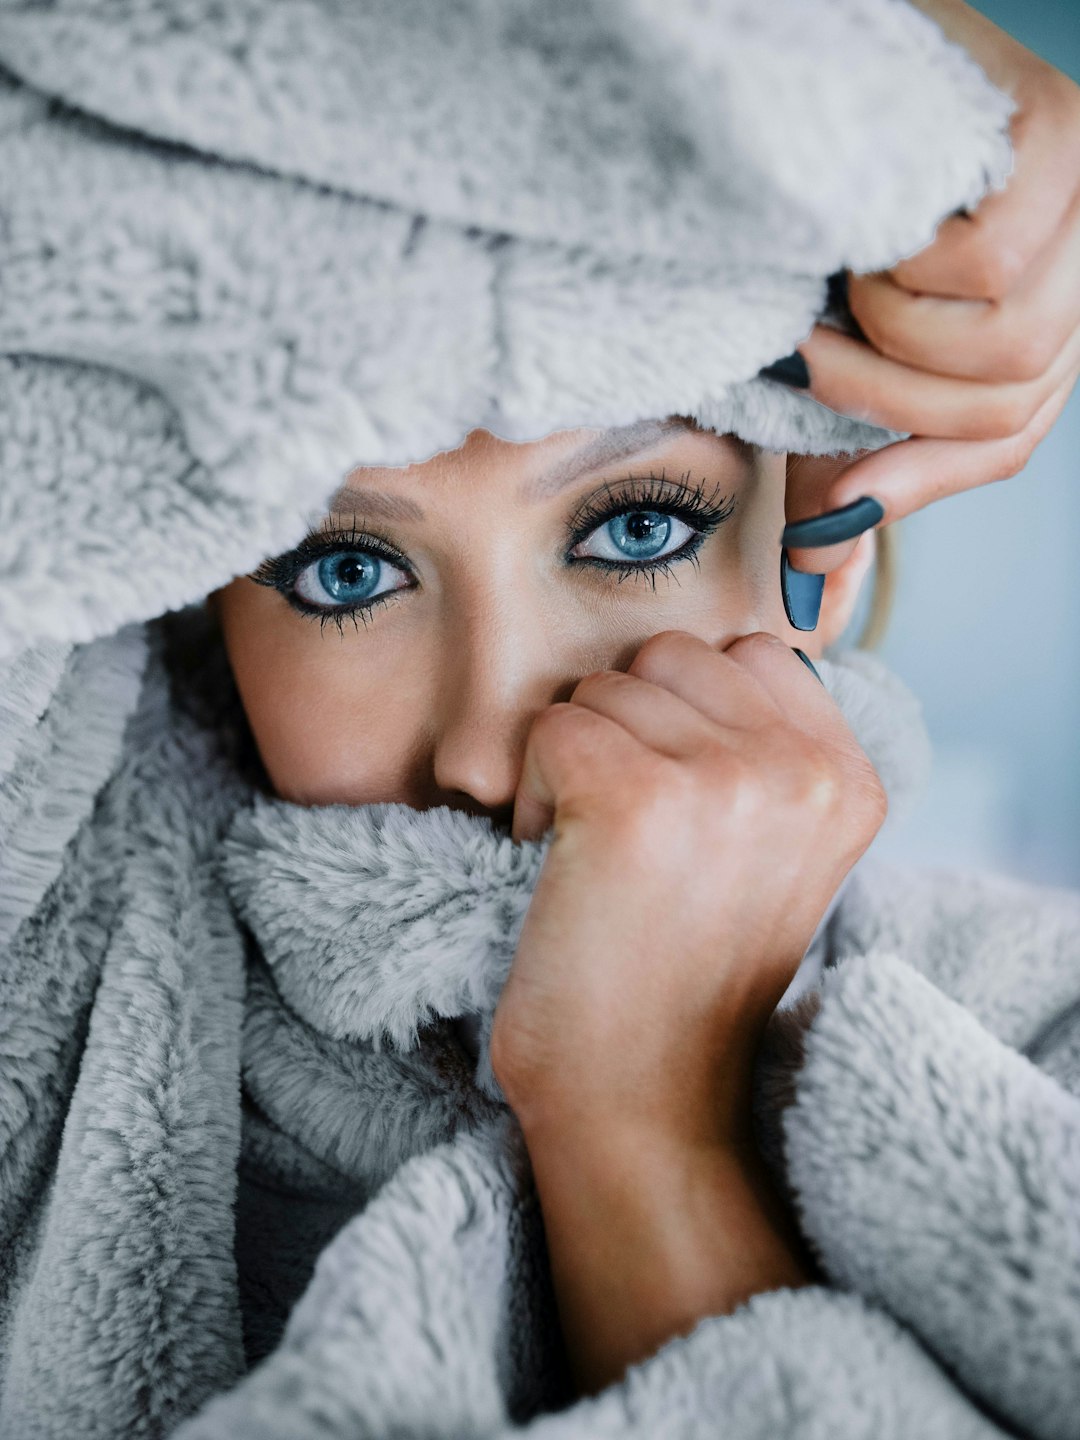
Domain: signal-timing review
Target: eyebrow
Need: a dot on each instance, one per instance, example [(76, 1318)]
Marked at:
[(602, 450), (607, 448), (378, 504)]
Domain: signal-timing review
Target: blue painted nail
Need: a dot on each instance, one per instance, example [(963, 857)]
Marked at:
[(802, 595), (791, 370), (808, 663), (835, 525), (836, 291)]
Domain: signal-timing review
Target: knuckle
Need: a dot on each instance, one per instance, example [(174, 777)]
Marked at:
[(873, 798), (1015, 453), (736, 780), (755, 643), (1024, 354), (657, 651), (876, 319), (894, 322), (558, 726), (753, 639), (596, 684), (994, 268), (1012, 413), (828, 785), (901, 340), (816, 784), (740, 786)]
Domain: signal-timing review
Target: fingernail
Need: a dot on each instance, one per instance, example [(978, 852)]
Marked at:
[(836, 291), (838, 305), (802, 595), (835, 525), (808, 663), (791, 370)]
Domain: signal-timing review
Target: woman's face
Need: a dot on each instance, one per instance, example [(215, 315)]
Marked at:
[(402, 652)]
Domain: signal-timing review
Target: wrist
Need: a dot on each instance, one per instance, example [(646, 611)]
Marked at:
[(633, 1157), (697, 1096), (647, 1235)]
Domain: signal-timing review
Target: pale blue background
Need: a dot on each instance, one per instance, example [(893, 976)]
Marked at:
[(986, 628)]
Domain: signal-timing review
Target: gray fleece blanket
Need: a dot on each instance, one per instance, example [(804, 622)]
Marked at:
[(247, 245), (256, 1179)]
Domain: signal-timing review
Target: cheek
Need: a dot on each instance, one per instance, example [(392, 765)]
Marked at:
[(735, 591), (334, 716)]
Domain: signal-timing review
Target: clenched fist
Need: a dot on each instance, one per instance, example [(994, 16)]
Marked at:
[(706, 807)]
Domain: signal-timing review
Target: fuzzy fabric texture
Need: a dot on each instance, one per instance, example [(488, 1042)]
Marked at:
[(376, 920), (255, 1178), (224, 1200), (299, 236)]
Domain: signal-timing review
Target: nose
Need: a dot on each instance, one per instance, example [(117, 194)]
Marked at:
[(495, 681)]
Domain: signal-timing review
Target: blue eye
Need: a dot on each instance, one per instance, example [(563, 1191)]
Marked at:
[(347, 578), (640, 535)]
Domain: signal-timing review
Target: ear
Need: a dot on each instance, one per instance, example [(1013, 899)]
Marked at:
[(842, 587)]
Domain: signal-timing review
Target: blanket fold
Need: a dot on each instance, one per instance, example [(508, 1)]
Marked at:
[(938, 1174), (299, 236), (149, 887), (256, 1176), (795, 1363)]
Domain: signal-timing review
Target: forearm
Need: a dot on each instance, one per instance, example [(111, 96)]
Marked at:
[(646, 1237)]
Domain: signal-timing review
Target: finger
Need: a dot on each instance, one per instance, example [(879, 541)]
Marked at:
[(1012, 340), (571, 756), (811, 480), (708, 679), (793, 690), (985, 255), (657, 717), (821, 559), (811, 710), (910, 475), (852, 378)]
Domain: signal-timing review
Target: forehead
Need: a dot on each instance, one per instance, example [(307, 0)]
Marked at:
[(604, 448), (540, 468)]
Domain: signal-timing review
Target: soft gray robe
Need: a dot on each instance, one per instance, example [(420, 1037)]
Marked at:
[(213, 996), (244, 247)]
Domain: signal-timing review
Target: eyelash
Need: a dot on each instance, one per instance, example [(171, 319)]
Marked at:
[(684, 501), (281, 572), (702, 512)]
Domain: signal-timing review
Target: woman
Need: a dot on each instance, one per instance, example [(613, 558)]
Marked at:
[(469, 621), (523, 642)]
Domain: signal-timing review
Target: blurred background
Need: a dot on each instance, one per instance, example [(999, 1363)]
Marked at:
[(986, 628)]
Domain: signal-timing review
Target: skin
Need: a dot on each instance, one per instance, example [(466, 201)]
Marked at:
[(669, 737), (973, 344), (650, 726), (447, 679)]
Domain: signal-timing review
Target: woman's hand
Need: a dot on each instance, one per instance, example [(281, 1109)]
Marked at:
[(706, 807), (974, 344)]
